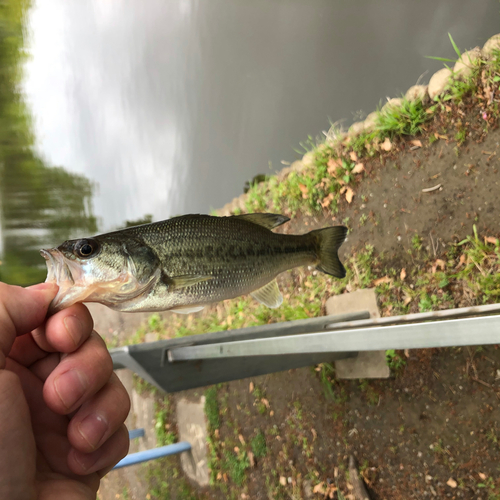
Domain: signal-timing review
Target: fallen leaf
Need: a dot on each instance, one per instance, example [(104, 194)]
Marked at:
[(327, 201), (333, 165), (451, 483), (217, 433), (265, 402), (236, 449), (439, 263), (342, 190), (304, 190), (314, 433), (407, 300), (241, 438), (379, 281), (491, 239), (417, 143), (349, 195), (358, 168), (224, 476), (353, 156), (251, 458), (407, 353), (319, 488), (439, 136), (482, 476), (250, 387), (349, 486), (283, 480), (219, 476), (402, 275), (271, 413), (461, 262), (386, 145)]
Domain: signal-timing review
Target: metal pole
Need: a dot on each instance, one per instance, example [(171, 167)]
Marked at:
[(456, 332), (135, 433), (146, 455)]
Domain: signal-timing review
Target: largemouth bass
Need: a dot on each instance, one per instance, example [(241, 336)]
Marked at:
[(187, 262)]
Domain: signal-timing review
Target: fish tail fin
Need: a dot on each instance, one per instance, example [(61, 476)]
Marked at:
[(329, 241)]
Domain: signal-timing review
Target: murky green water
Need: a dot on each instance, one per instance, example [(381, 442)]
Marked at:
[(168, 106)]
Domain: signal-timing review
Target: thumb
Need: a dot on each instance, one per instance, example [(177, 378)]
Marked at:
[(22, 310)]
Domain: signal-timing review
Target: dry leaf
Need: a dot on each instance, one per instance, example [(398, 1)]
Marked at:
[(236, 449), (224, 476), (407, 300), (379, 281), (314, 433), (353, 156), (349, 195), (283, 480), (250, 387), (251, 458), (241, 438), (358, 168), (482, 476), (451, 483), (265, 402), (386, 145), (349, 486), (219, 476), (217, 433), (304, 190), (327, 201), (461, 262), (407, 353), (439, 136), (402, 275), (333, 164), (271, 413), (439, 263), (491, 239), (342, 190), (417, 143), (319, 489)]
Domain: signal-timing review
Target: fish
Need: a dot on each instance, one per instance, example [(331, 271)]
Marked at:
[(184, 263)]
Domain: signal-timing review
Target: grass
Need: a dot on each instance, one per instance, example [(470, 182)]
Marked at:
[(258, 444), (164, 435)]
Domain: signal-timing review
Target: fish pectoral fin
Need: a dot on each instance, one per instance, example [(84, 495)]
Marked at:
[(185, 280), (187, 309), (269, 295), (268, 221)]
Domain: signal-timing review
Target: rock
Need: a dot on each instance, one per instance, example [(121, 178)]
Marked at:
[(395, 102), (490, 46), (469, 60), (370, 122), (308, 159), (356, 128), (297, 166), (438, 82), (418, 92)]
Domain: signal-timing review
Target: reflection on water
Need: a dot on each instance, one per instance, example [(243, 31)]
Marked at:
[(165, 107), (39, 205)]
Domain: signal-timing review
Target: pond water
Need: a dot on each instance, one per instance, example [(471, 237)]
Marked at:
[(168, 106)]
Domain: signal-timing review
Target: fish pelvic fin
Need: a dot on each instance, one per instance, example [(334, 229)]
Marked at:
[(269, 295), (183, 281), (329, 241), (268, 221)]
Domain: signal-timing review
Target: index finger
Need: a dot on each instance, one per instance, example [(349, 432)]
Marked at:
[(22, 310)]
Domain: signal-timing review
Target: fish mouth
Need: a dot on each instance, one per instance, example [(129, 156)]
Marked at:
[(67, 275)]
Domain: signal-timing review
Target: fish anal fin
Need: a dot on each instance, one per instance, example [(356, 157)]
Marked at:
[(269, 295), (187, 309), (185, 280), (268, 221)]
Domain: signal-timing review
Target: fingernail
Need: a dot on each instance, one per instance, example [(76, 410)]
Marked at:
[(70, 387), (74, 327), (92, 428), (85, 460)]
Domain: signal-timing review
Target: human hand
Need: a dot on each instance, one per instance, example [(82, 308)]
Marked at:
[(61, 406)]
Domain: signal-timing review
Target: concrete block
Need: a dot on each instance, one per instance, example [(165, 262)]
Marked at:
[(192, 427), (368, 364)]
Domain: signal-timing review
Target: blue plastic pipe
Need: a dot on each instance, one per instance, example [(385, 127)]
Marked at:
[(144, 456)]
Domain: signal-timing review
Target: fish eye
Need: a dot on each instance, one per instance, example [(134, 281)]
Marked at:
[(86, 248)]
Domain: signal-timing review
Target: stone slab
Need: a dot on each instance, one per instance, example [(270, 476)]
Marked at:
[(192, 427), (368, 364)]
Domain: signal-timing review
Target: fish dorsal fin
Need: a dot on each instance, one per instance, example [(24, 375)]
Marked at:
[(268, 221), (269, 295), (185, 280), (187, 309)]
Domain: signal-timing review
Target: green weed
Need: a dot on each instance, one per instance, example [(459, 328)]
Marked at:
[(258, 444), (212, 408)]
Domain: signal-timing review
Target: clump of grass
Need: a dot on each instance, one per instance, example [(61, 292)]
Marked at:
[(258, 444), (212, 408), (405, 119), (164, 435), (235, 464)]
